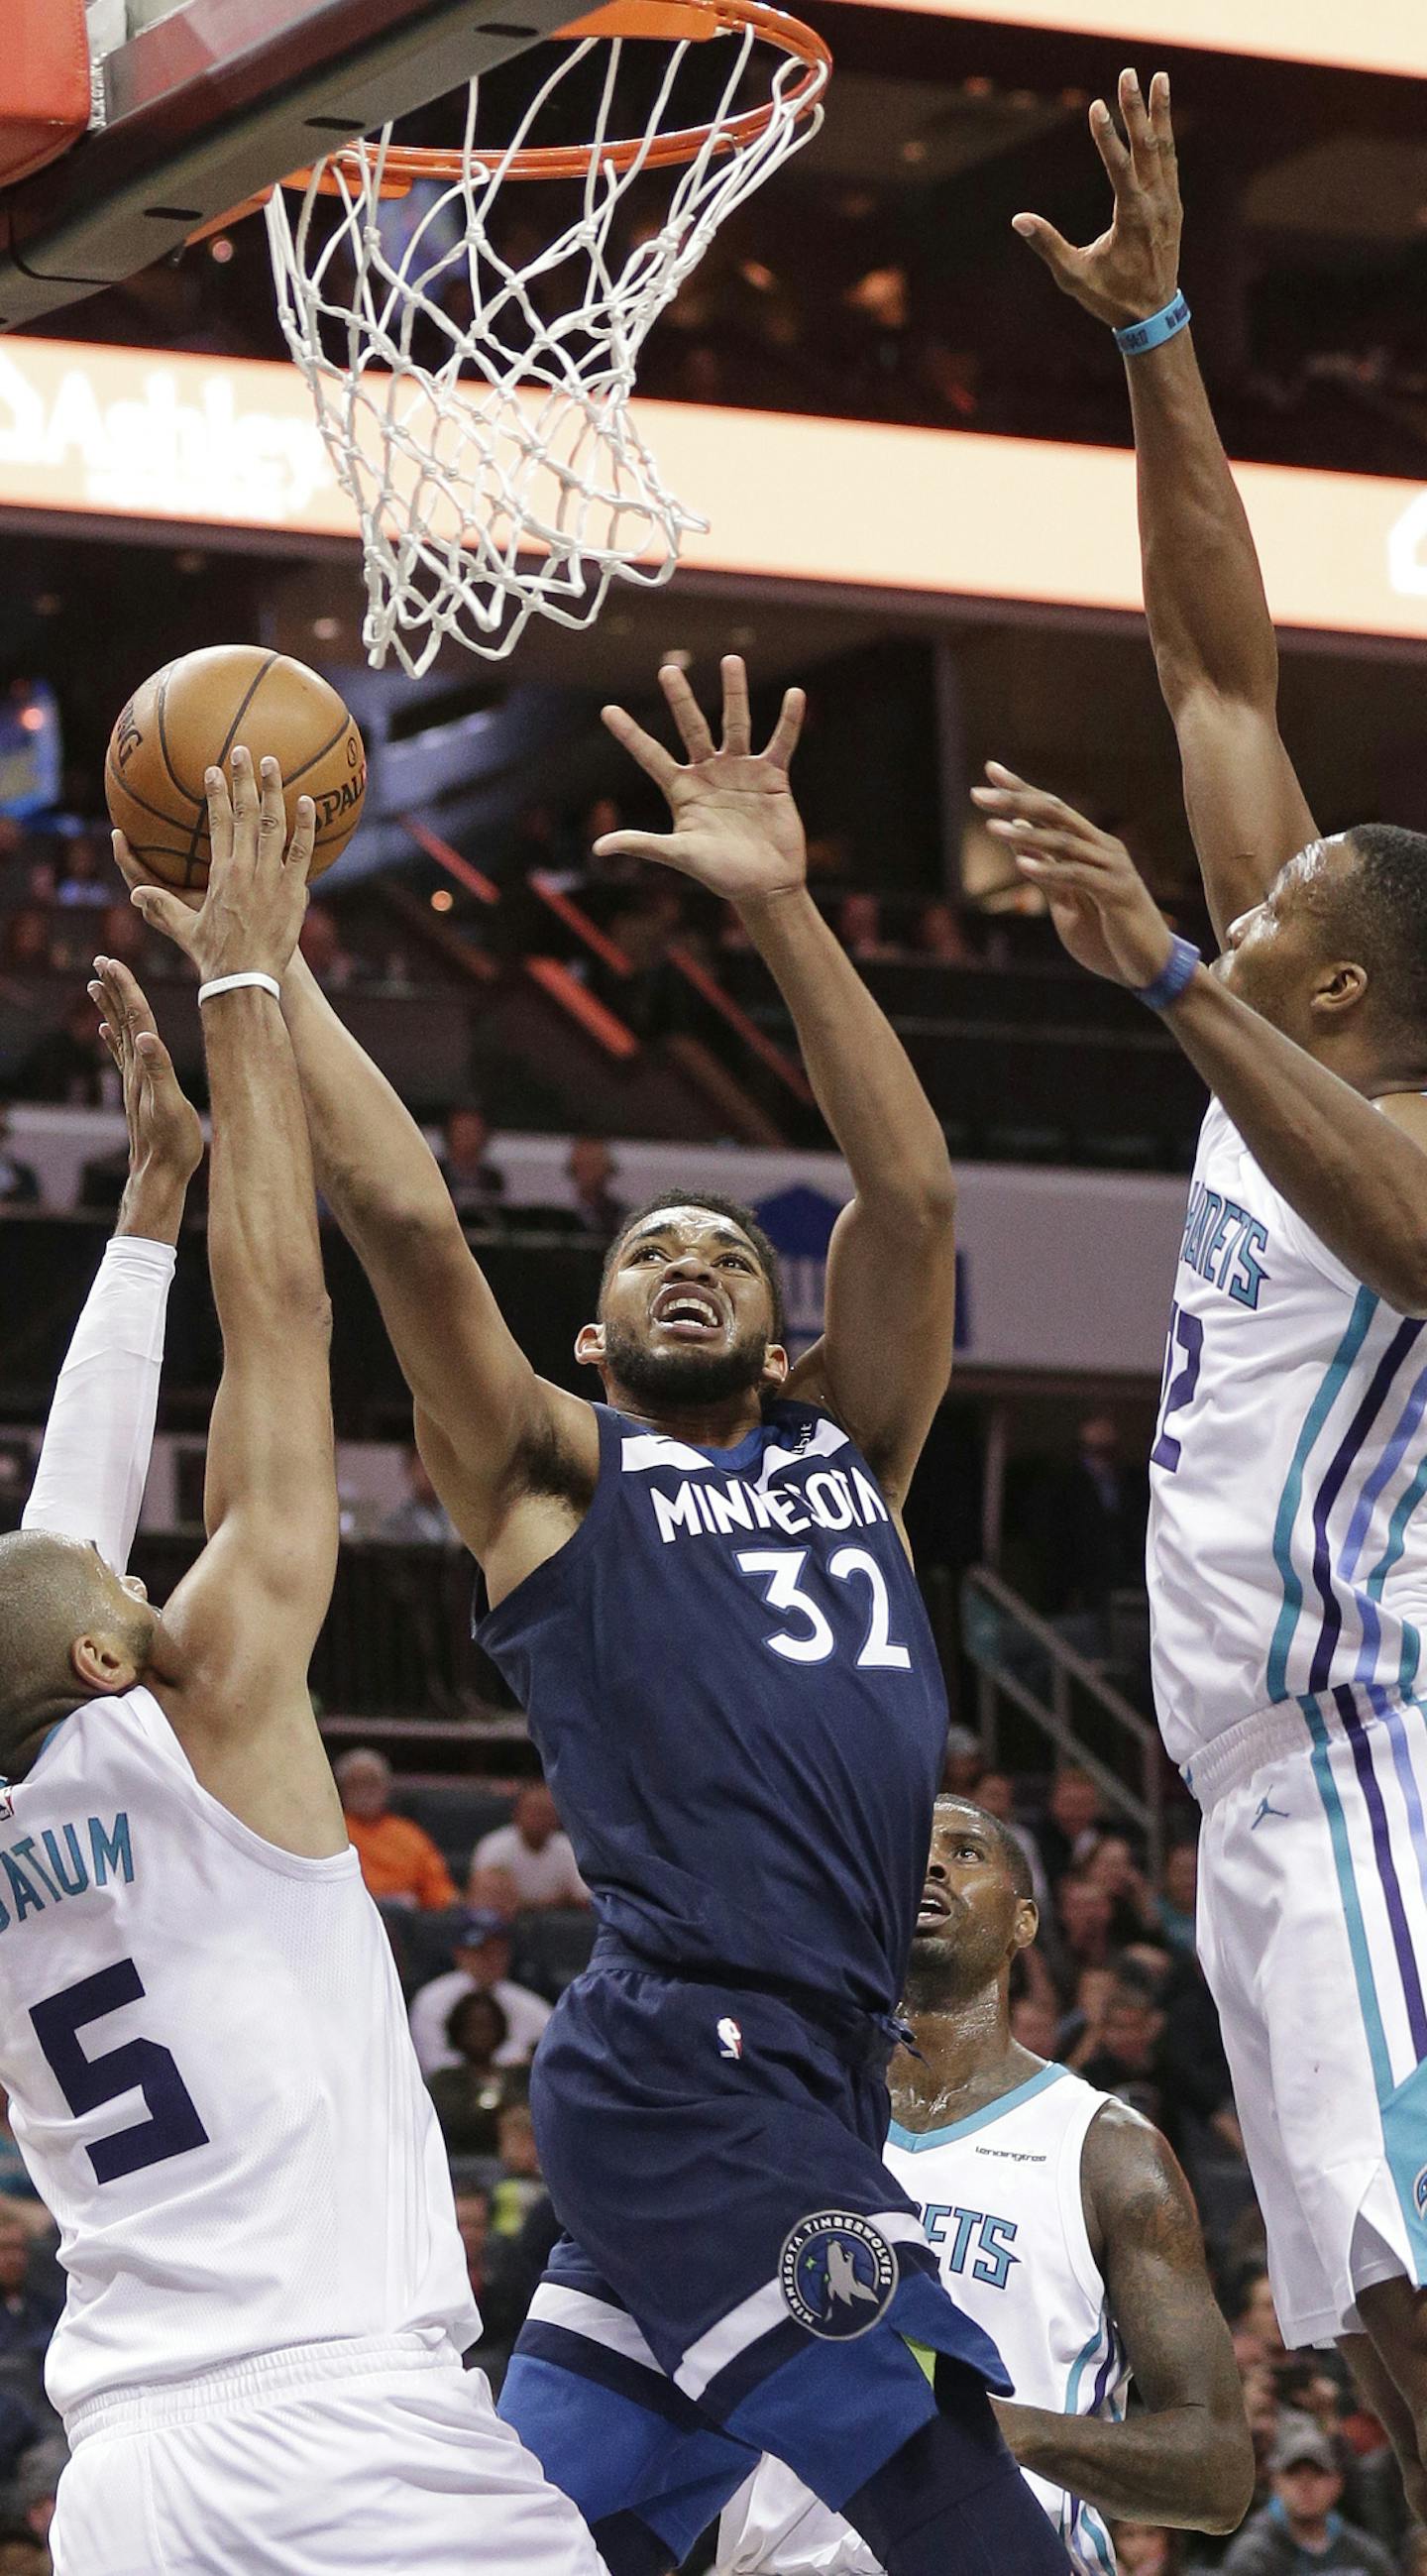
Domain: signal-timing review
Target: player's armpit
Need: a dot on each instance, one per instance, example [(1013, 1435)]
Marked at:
[(1246, 809)]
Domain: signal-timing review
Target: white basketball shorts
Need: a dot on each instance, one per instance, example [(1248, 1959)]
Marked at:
[(1313, 1935), (347, 2459)]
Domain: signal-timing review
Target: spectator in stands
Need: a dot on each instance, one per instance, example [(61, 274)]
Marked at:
[(1134, 1913), (1300, 2528), (590, 1168), (70, 1063), (476, 1184), (858, 923), (26, 945), (939, 935), (467, 2093), (1070, 1827), (400, 1863), (1179, 1883), (26, 2321), (1084, 1911), (1254, 2318), (19, 1182), (1086, 1532), (421, 1519), (1126, 2061), (482, 1962), (532, 1854)]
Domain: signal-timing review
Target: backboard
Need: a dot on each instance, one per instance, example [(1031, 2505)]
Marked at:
[(198, 106)]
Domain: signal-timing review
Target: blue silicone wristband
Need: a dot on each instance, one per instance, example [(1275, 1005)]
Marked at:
[(1152, 333), (1179, 969)]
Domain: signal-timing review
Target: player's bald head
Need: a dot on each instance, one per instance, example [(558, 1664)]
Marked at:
[(57, 1596), (1008, 1848)]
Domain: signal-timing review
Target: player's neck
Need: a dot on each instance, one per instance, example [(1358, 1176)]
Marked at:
[(967, 2061), (704, 1426)]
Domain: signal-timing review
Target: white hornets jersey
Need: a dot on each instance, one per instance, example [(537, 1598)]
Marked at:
[(1001, 2201), (210, 2074), (1286, 1554)]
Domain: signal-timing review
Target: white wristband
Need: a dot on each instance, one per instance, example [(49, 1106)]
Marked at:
[(230, 984)]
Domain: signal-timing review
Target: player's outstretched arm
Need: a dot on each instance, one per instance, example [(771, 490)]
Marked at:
[(241, 1627), (480, 1408), (1209, 621), (1184, 2457), (1355, 1170), (883, 1364), (99, 1437)]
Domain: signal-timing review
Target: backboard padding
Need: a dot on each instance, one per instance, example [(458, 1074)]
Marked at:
[(220, 98)]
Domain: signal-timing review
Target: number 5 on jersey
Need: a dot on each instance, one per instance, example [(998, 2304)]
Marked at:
[(814, 1641), (139, 2066)]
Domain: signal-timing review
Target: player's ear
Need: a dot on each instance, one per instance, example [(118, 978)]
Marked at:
[(1027, 1923), (776, 1365), (589, 1346), (1339, 986), (102, 1667)]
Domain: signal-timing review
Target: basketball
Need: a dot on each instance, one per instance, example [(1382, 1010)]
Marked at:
[(188, 717)]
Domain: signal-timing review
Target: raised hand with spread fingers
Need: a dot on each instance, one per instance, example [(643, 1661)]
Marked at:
[(736, 827), (1132, 268)]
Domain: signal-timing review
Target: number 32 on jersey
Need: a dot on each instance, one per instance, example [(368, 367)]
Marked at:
[(811, 1639)]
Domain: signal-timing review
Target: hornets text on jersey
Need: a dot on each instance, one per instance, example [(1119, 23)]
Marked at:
[(1001, 2201), (1286, 1553)]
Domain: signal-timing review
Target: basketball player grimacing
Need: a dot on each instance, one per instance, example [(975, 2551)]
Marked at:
[(702, 1596), (1287, 1561)]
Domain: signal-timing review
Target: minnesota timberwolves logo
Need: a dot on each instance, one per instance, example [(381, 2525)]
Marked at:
[(837, 2274)]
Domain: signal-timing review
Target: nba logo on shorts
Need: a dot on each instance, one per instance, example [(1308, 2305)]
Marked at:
[(1419, 2193), (730, 2037), (837, 2274)]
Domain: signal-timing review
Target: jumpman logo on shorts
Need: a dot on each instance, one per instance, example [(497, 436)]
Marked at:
[(1266, 1808)]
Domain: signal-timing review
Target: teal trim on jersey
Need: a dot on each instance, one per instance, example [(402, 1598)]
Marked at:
[(1348, 1891), (1403, 2135), (1093, 2529), (1365, 1306), (1082, 2363), (914, 2140)]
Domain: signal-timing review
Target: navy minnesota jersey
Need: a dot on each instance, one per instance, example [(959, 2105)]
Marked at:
[(733, 1686)]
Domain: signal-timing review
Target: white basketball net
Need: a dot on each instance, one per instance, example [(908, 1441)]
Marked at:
[(498, 474)]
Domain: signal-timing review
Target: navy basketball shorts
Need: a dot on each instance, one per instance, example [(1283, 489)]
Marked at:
[(740, 2272)]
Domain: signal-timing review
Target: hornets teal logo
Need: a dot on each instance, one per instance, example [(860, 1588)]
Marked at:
[(837, 2275), (1419, 2193)]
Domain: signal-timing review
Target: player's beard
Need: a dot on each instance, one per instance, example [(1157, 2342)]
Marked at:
[(680, 1375)]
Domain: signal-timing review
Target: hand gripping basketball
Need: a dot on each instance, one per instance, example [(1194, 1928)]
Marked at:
[(252, 911)]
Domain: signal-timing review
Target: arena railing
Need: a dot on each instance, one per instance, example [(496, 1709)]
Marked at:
[(1021, 1659)]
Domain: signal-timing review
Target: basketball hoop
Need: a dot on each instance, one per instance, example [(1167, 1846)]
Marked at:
[(472, 385)]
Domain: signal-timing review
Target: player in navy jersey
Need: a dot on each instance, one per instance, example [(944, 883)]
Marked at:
[(702, 1592)]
